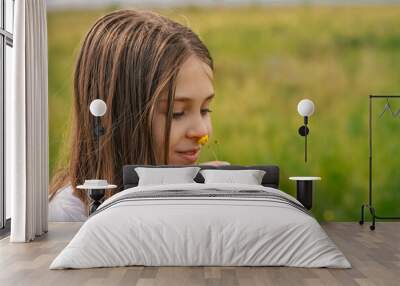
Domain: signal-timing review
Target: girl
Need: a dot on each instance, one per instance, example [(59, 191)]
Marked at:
[(156, 77)]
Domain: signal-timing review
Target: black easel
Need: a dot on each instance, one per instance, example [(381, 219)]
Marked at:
[(370, 204)]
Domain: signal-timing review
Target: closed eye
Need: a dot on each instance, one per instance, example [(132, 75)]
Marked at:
[(205, 111), (178, 115)]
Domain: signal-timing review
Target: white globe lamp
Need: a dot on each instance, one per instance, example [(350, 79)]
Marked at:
[(98, 107), (305, 108)]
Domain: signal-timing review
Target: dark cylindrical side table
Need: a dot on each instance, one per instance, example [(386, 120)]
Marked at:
[(95, 190), (305, 190), (96, 196)]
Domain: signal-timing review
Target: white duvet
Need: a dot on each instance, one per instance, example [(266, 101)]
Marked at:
[(200, 231)]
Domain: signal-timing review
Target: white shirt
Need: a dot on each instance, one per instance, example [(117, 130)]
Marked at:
[(66, 207)]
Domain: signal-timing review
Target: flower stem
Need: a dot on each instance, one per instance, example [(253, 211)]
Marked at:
[(214, 154)]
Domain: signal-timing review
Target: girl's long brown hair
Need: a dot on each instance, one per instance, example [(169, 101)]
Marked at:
[(128, 58)]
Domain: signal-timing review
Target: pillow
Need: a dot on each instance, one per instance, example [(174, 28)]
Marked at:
[(160, 176), (249, 177)]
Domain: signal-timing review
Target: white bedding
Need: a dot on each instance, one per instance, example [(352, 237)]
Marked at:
[(182, 231)]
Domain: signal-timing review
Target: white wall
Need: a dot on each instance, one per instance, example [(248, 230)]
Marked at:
[(9, 67)]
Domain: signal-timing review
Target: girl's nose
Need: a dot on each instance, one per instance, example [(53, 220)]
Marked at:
[(197, 129)]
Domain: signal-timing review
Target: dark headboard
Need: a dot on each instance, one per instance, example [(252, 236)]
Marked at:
[(270, 179)]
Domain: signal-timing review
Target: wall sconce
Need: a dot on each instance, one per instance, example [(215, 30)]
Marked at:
[(96, 187), (305, 109), (98, 108)]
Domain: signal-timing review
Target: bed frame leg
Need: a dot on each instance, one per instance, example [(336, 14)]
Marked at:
[(372, 227), (361, 222)]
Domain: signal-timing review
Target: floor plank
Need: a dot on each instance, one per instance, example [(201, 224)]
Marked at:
[(374, 255)]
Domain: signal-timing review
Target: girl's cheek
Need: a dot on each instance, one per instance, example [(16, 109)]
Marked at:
[(177, 132)]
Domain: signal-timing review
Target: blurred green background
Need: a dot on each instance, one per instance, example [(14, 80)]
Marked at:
[(266, 60)]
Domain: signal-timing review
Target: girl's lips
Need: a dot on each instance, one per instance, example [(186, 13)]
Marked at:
[(189, 156)]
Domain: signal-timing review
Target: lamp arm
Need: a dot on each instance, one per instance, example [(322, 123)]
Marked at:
[(98, 131), (305, 138), (305, 148)]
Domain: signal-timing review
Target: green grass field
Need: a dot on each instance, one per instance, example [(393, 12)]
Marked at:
[(268, 59)]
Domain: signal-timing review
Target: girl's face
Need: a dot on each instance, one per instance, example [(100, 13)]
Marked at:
[(191, 119)]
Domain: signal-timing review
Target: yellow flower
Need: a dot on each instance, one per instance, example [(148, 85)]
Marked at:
[(203, 140)]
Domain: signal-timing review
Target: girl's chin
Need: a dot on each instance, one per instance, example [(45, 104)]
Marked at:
[(184, 159), (183, 162)]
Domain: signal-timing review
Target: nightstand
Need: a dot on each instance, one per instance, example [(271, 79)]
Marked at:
[(305, 189), (95, 190)]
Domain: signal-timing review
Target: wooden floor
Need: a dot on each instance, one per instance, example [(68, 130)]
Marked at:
[(374, 255)]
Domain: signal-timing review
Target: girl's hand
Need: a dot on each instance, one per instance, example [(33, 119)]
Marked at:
[(216, 163)]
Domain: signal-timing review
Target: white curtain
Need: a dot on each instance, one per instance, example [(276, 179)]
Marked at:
[(27, 172)]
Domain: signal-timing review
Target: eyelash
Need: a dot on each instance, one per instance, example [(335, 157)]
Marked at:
[(178, 115)]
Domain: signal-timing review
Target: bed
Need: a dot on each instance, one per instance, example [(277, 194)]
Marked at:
[(201, 224)]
